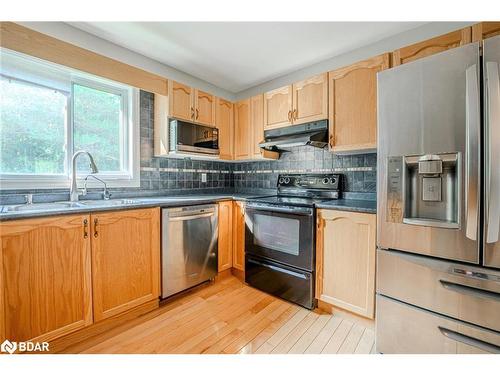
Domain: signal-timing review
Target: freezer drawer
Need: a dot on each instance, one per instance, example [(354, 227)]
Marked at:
[(471, 294), (405, 329)]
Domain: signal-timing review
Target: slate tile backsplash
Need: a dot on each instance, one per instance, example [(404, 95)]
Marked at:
[(178, 176)]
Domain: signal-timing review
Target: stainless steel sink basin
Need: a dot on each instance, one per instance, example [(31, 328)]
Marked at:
[(39, 206), (111, 202)]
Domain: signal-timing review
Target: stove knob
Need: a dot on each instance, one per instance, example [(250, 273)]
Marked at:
[(287, 180), (333, 180), (281, 180), (325, 180)]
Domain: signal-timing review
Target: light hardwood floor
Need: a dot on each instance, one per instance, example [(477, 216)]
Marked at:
[(230, 317)]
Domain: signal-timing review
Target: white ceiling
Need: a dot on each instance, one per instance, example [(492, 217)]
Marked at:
[(238, 55)]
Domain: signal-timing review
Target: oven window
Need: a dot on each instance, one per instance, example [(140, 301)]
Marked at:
[(276, 233)]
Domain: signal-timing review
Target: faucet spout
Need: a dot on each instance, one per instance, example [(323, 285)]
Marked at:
[(73, 193)]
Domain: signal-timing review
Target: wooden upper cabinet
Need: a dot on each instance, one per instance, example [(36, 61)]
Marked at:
[(239, 235), (278, 106), (181, 104), (204, 107), (310, 99), (353, 105), (225, 252), (431, 46), (45, 277), (345, 260), (242, 131), (125, 260), (224, 120), (257, 123), (485, 30)]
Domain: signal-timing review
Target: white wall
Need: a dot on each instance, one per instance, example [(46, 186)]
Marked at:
[(70, 34), (424, 32)]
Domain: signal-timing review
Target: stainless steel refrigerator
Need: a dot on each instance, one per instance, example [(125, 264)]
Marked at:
[(438, 256)]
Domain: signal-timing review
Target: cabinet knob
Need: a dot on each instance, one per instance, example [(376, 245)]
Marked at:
[(85, 228), (96, 233)]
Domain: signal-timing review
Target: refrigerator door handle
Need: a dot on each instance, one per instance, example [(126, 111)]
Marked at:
[(492, 154), (472, 152)]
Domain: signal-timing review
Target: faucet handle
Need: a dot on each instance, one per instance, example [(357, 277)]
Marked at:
[(29, 198), (106, 194)]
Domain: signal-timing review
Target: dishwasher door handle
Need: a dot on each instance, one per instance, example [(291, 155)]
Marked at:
[(190, 217)]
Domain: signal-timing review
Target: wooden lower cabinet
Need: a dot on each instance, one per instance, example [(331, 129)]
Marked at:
[(345, 260), (239, 235), (225, 251), (45, 277), (125, 260)]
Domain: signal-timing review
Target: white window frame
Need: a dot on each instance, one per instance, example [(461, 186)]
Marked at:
[(130, 174)]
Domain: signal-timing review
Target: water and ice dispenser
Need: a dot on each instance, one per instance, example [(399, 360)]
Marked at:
[(425, 190)]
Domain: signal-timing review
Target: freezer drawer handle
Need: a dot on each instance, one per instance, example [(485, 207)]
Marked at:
[(278, 269), (475, 292), (471, 341)]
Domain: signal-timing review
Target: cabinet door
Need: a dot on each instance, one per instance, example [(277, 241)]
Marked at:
[(242, 130), (125, 260), (204, 104), (224, 122), (278, 107), (485, 30), (345, 260), (257, 124), (161, 146), (45, 277), (431, 46), (353, 105), (180, 99), (310, 99), (239, 235), (225, 254)]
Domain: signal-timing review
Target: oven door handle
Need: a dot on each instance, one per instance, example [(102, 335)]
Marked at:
[(295, 210), (279, 269)]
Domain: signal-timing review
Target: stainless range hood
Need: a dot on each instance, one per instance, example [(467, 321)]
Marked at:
[(311, 134)]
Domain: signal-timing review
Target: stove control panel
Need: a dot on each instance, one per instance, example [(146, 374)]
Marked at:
[(309, 181)]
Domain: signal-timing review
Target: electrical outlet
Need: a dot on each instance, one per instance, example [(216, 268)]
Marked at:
[(203, 177)]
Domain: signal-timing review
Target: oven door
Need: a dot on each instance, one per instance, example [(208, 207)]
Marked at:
[(281, 234)]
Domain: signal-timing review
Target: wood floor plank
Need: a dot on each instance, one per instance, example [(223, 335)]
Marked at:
[(228, 316), (307, 338), (336, 341), (324, 336), (295, 334), (263, 336), (287, 327), (366, 342), (351, 341)]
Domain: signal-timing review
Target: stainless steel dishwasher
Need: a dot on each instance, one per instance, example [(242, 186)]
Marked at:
[(189, 247)]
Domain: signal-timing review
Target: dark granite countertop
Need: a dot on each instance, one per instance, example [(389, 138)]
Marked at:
[(45, 209), (356, 205)]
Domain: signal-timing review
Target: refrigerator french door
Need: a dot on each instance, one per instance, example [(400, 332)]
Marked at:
[(491, 74), (438, 256)]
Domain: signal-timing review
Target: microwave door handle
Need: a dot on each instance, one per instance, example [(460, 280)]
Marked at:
[(472, 152), (492, 154)]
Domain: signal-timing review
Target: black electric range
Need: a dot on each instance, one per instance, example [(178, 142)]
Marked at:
[(280, 236)]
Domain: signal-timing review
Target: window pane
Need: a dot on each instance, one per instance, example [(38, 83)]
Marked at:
[(32, 128), (97, 128)]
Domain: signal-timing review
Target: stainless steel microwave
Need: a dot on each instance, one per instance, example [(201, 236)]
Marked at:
[(186, 137)]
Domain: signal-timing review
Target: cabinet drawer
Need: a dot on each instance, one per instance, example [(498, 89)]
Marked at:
[(404, 329), (452, 289)]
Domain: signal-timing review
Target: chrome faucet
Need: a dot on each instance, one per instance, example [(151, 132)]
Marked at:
[(73, 193), (105, 194)]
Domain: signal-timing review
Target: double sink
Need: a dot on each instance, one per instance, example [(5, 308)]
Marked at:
[(56, 206)]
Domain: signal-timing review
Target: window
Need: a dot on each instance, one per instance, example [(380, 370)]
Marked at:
[(48, 112)]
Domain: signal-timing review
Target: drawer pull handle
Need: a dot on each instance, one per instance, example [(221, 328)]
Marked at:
[(85, 228), (278, 269), (96, 233), (474, 292), (471, 341)]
